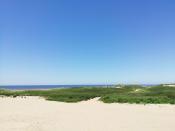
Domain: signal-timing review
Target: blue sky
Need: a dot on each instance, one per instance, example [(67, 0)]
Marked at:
[(87, 41)]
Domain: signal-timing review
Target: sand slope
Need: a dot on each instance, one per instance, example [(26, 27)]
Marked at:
[(37, 114)]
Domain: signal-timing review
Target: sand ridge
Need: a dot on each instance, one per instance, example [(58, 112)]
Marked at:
[(37, 114)]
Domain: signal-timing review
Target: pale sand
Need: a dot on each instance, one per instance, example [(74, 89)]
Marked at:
[(37, 114)]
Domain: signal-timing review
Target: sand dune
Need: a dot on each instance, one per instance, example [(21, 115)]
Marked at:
[(37, 114)]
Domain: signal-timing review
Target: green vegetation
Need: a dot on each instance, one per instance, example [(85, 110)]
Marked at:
[(127, 94)]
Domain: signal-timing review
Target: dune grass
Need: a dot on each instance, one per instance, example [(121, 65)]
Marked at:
[(127, 94)]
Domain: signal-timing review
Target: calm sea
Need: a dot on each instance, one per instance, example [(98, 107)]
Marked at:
[(35, 87)]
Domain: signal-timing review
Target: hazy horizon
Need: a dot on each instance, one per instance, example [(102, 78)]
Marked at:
[(87, 42), (86, 84)]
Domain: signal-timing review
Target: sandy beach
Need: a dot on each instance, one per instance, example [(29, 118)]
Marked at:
[(37, 114)]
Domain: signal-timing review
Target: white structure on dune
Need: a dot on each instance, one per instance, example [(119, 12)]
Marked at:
[(169, 85)]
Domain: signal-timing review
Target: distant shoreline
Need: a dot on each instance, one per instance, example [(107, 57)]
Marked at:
[(46, 87)]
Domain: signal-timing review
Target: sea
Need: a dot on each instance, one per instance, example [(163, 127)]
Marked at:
[(38, 87), (43, 87)]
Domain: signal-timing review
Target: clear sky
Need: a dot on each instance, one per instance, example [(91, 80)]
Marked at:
[(87, 41)]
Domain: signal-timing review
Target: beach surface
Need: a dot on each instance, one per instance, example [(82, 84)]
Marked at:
[(37, 114)]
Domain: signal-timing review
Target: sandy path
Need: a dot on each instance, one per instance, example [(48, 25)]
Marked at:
[(37, 114)]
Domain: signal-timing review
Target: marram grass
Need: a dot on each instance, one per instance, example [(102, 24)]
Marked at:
[(127, 94)]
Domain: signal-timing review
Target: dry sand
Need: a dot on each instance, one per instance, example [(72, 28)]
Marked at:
[(37, 114)]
